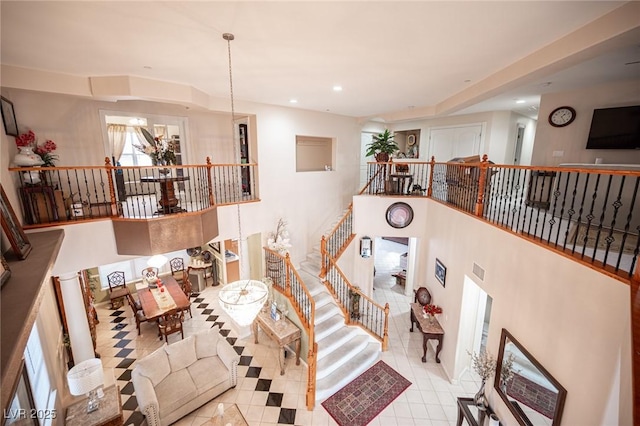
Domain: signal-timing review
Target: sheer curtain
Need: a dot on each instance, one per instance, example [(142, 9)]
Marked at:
[(117, 136)]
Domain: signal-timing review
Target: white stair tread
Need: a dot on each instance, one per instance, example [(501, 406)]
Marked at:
[(347, 372), (325, 311), (332, 361), (335, 340), (328, 326)]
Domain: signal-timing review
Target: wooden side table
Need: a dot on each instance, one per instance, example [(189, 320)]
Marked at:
[(108, 414), (430, 330), (467, 410), (283, 332)]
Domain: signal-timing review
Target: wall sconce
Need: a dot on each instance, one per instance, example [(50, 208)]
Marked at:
[(365, 247)]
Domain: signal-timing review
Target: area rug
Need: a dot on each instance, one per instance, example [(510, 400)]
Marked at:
[(581, 233), (365, 397)]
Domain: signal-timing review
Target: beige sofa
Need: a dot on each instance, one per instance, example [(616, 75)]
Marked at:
[(178, 378)]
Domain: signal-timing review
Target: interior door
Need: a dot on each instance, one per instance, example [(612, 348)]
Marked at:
[(446, 143)]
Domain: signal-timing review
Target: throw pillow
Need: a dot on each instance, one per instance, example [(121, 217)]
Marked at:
[(207, 342), (181, 354), (154, 366)]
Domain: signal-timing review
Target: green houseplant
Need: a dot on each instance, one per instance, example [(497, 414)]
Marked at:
[(382, 146)]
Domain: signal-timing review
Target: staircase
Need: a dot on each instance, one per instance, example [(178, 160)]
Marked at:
[(344, 352)]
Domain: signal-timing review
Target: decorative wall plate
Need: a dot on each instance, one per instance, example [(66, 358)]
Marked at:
[(411, 140), (207, 256), (399, 215), (194, 251)]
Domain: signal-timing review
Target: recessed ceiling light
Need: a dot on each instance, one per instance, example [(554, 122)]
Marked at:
[(147, 67), (293, 101), (520, 101), (467, 81), (337, 88)]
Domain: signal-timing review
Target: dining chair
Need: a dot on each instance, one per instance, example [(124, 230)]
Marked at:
[(177, 265), (171, 323), (138, 313), (117, 288), (151, 273), (187, 289)]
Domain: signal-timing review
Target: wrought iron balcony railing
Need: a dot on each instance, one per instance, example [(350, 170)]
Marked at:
[(58, 195)]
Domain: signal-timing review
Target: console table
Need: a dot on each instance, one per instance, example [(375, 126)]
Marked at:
[(108, 414), (430, 330), (469, 411), (283, 332)]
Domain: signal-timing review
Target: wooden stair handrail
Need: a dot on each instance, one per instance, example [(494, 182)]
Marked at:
[(385, 337), (635, 347)]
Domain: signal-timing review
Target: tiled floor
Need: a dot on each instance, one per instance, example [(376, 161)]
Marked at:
[(265, 397)]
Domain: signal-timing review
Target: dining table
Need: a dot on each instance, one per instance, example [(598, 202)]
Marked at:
[(156, 303)]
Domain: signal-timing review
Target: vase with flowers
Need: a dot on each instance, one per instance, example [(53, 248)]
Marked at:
[(485, 366), (430, 310), (27, 155), (161, 151)]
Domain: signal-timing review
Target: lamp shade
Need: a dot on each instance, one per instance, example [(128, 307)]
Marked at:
[(157, 261), (85, 376), (242, 300)]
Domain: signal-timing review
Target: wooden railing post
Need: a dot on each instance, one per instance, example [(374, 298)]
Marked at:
[(385, 333), (287, 278), (210, 180), (323, 257), (482, 181), (431, 167), (112, 190)]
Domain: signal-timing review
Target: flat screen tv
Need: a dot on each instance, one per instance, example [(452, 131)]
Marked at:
[(615, 128)]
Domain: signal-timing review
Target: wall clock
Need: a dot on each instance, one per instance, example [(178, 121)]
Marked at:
[(399, 215), (562, 116)]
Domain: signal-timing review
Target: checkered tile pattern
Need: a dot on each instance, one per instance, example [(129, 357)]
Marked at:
[(120, 346)]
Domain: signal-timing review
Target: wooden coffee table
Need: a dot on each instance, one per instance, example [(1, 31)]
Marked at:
[(231, 415)]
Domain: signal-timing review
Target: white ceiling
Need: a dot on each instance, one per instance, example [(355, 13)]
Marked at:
[(389, 57)]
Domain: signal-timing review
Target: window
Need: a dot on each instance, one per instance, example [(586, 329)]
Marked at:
[(130, 155), (132, 268)]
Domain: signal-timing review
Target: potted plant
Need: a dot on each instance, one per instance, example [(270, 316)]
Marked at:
[(382, 146)]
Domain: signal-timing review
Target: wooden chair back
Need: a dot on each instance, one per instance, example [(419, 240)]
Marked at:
[(176, 264), (187, 288), (402, 168), (171, 323), (116, 280), (150, 273)]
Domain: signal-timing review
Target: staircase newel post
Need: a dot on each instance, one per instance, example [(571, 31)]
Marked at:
[(287, 264), (432, 164), (385, 335), (112, 190), (210, 180), (323, 257), (482, 181)]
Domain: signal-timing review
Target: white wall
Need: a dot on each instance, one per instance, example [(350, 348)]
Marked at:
[(309, 201), (573, 319), (572, 139)]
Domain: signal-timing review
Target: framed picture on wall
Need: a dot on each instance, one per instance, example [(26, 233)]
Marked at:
[(18, 239), (8, 117), (441, 272)]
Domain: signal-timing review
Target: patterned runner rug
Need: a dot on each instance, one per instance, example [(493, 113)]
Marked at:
[(366, 396)]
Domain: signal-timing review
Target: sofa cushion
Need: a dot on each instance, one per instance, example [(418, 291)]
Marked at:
[(207, 342), (174, 391), (208, 372), (182, 353), (154, 366)]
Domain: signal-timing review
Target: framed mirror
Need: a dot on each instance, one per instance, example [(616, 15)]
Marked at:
[(532, 394)]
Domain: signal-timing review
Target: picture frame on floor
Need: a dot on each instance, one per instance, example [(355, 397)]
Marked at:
[(441, 272)]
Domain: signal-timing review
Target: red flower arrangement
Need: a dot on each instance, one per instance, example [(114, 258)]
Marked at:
[(26, 139), (430, 309), (45, 151)]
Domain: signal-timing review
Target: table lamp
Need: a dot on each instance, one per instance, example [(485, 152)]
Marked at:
[(85, 378)]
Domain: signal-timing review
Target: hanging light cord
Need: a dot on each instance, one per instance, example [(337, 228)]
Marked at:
[(236, 152)]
